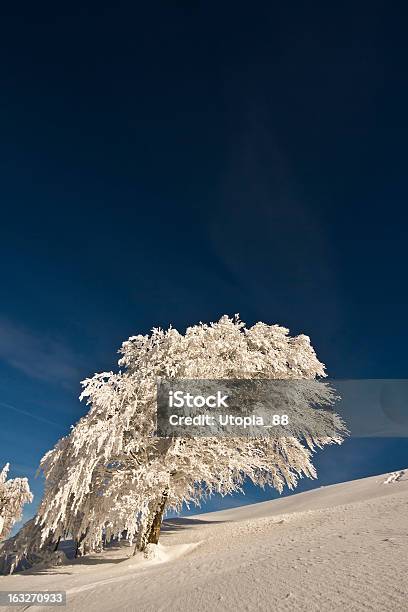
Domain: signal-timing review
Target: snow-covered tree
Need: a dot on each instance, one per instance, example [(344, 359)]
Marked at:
[(14, 494), (113, 476), (26, 549)]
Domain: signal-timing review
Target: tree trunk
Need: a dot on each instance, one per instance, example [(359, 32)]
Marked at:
[(57, 544), (78, 544), (152, 532)]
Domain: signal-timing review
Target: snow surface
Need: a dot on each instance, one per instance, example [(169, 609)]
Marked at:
[(342, 547)]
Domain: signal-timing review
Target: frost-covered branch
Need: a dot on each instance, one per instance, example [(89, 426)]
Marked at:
[(14, 494)]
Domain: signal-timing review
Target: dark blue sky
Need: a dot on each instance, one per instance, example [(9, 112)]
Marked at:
[(169, 164)]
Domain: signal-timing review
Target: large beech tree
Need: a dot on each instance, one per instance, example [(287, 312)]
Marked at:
[(113, 477)]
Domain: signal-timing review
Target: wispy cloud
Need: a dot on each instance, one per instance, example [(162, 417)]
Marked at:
[(31, 415), (39, 356)]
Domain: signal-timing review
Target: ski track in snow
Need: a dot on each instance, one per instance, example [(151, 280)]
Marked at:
[(342, 547)]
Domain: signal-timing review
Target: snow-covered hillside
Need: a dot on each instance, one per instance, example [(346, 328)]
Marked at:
[(343, 547)]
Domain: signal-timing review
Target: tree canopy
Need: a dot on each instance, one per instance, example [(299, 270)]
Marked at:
[(112, 475)]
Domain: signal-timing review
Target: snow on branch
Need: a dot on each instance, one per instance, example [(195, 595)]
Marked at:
[(14, 494)]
